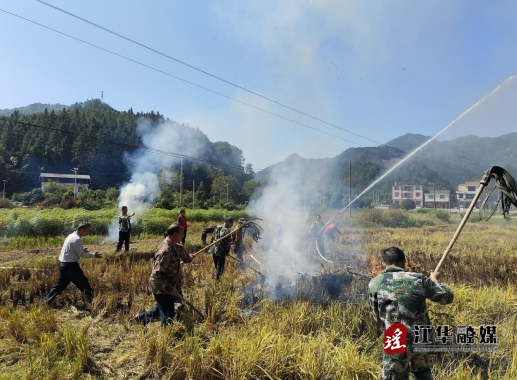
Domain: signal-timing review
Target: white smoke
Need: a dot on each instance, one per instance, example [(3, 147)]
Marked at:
[(286, 226), (142, 190)]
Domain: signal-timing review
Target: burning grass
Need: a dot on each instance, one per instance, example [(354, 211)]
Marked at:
[(314, 325)]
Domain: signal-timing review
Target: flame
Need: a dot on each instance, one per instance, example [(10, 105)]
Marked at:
[(375, 266)]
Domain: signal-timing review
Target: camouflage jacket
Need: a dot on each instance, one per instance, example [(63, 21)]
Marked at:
[(223, 247), (166, 272), (237, 239), (397, 296)]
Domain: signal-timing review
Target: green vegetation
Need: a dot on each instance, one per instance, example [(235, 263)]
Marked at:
[(408, 204), (94, 137), (20, 226)]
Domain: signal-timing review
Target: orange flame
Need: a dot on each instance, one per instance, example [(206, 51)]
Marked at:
[(375, 266)]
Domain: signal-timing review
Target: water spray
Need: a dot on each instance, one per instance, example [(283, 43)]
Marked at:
[(482, 100)]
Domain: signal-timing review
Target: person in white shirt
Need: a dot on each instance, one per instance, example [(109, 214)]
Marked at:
[(69, 269)]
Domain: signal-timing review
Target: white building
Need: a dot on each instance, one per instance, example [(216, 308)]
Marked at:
[(76, 181), (440, 198)]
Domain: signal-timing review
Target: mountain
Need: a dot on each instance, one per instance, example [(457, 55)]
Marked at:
[(443, 164), (33, 108), (464, 158)]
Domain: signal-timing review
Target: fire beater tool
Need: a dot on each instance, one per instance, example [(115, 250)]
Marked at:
[(508, 186)]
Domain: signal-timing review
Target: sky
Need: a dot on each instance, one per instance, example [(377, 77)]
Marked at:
[(365, 71)]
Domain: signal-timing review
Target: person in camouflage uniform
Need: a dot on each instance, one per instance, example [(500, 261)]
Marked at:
[(165, 279), (237, 243), (397, 296), (220, 250)]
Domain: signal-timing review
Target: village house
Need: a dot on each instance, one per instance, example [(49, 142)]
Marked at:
[(78, 182), (438, 199), (401, 191)]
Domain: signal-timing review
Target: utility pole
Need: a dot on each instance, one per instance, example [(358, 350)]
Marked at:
[(193, 193), (4, 188), (181, 178), (350, 189), (75, 170), (227, 193), (434, 196)]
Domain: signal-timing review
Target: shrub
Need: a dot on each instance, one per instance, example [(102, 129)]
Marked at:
[(155, 225), (443, 215), (408, 204), (6, 203), (29, 198), (386, 218), (47, 225)]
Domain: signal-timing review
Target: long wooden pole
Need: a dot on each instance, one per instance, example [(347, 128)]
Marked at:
[(217, 241), (483, 183), (191, 306)]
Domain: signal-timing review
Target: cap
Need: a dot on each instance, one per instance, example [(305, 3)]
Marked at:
[(242, 220)]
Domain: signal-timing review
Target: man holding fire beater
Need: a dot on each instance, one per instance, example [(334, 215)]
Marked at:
[(397, 296)]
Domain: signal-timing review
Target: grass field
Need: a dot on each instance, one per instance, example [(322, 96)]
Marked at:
[(287, 328)]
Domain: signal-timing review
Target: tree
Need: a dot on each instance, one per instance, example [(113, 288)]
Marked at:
[(337, 200), (248, 189), (201, 195), (407, 204), (249, 171), (225, 185)]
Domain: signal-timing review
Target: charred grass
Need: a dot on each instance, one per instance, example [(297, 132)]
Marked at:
[(312, 331)]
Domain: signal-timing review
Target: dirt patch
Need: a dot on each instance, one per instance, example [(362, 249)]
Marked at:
[(19, 255), (137, 245)]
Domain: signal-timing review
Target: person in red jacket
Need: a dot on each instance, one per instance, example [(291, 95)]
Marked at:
[(330, 233), (182, 222)]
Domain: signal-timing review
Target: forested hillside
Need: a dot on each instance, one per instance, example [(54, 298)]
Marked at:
[(33, 108), (96, 138)]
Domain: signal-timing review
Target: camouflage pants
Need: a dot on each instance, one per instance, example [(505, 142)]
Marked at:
[(398, 366)]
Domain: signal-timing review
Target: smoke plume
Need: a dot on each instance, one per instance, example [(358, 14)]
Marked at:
[(160, 142), (286, 224)]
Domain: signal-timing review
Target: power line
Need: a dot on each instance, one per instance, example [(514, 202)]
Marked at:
[(203, 71), (152, 150), (181, 79)]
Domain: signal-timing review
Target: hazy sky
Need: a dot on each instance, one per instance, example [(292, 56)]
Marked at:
[(379, 69)]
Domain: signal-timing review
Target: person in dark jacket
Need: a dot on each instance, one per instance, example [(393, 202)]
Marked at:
[(220, 250)]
